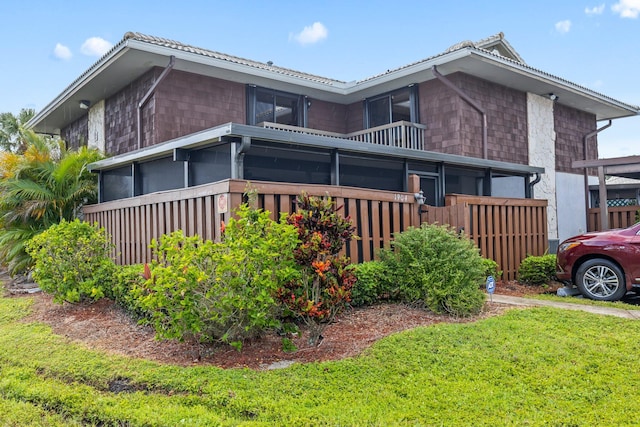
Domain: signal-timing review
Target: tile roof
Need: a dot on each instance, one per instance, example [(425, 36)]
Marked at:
[(230, 58)]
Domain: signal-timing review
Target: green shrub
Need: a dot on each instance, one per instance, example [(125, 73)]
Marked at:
[(436, 265), (72, 261), (537, 270), (491, 268), (220, 291), (372, 285), (128, 285)]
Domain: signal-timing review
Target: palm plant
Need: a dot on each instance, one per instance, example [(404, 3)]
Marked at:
[(12, 131), (39, 188)]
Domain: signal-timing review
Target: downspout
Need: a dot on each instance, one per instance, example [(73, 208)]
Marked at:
[(537, 179), (238, 150), (586, 173), (145, 98), (471, 102)]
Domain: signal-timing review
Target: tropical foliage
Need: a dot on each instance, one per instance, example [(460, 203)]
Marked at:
[(13, 136), (39, 188), (324, 286)]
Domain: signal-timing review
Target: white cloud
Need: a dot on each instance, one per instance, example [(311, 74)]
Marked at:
[(62, 52), (563, 26), (596, 10), (95, 46), (627, 8), (312, 34)]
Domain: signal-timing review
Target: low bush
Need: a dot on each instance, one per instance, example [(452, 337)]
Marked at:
[(224, 291), (491, 268), (537, 270), (373, 284), (128, 285), (436, 265), (72, 261)]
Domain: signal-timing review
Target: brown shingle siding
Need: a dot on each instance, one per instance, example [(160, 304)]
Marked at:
[(77, 133), (327, 116), (455, 127), (188, 103), (571, 126)]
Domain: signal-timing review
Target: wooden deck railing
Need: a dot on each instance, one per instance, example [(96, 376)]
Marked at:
[(400, 134), (505, 230), (619, 217)]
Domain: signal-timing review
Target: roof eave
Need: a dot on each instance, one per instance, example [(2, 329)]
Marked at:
[(103, 63)]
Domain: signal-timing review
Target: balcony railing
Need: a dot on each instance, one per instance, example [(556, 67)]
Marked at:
[(398, 134)]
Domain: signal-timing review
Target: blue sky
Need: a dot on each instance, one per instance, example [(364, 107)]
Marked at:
[(47, 44)]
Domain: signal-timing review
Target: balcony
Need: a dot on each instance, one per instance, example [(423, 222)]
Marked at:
[(398, 134)]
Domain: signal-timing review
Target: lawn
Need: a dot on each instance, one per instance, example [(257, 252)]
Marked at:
[(530, 367)]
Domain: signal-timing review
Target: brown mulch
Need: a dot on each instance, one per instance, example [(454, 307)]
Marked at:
[(106, 327)]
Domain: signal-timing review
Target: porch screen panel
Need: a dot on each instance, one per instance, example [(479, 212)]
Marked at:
[(160, 175), (464, 181), (371, 173), (116, 184), (210, 164), (283, 164)]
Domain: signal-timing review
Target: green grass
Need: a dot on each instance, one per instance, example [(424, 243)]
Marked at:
[(586, 301), (529, 367)]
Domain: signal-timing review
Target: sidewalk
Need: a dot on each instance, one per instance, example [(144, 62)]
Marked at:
[(530, 302)]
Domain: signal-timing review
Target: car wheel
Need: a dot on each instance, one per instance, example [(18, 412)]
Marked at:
[(601, 279)]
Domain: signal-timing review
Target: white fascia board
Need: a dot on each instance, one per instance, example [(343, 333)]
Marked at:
[(193, 140)]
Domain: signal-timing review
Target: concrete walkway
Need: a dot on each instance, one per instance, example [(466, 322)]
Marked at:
[(530, 302)]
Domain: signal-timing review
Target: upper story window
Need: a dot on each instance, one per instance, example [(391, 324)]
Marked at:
[(268, 105), (399, 105)]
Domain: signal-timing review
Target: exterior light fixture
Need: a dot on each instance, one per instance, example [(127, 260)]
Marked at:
[(419, 196), (84, 104), (553, 97)]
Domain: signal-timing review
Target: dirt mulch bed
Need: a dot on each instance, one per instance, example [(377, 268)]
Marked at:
[(106, 327)]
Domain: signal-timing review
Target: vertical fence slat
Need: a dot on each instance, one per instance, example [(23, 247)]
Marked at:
[(505, 230)]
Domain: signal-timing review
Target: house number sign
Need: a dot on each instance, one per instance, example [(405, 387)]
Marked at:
[(401, 197), (223, 203)]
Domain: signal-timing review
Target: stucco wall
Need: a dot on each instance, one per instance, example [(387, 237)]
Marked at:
[(96, 138), (572, 218), (542, 139)]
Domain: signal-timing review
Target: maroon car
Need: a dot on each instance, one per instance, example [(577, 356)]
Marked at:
[(603, 265)]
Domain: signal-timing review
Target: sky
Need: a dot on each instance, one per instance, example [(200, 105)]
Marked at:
[(48, 44)]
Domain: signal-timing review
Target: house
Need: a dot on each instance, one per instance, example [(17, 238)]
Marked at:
[(473, 120)]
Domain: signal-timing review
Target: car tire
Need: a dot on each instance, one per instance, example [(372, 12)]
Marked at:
[(601, 280)]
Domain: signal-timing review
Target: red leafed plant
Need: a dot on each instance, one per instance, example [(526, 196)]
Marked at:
[(324, 286)]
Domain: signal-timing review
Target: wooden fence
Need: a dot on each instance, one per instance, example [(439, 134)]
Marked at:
[(619, 217), (505, 230), (134, 222)]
